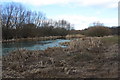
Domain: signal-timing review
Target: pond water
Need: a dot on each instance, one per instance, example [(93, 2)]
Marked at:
[(31, 45)]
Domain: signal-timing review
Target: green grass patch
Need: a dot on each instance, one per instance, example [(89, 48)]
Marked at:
[(110, 40)]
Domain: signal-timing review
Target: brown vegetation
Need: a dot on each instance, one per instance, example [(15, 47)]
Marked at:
[(35, 39), (84, 58), (98, 31), (74, 36)]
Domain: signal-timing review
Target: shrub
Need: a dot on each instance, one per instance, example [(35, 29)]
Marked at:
[(94, 45), (98, 31)]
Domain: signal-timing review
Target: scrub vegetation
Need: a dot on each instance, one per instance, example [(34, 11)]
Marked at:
[(91, 53)]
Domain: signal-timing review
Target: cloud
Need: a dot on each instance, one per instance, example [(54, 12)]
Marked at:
[(82, 22), (40, 2), (105, 3)]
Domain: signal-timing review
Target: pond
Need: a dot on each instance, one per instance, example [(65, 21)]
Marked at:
[(31, 45)]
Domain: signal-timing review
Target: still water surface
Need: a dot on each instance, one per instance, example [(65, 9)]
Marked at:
[(31, 45)]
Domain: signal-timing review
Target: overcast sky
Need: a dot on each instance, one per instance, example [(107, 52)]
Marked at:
[(81, 13)]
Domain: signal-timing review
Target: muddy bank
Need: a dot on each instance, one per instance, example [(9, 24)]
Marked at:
[(84, 58)]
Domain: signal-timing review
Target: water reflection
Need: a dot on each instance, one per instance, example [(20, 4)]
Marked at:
[(31, 45)]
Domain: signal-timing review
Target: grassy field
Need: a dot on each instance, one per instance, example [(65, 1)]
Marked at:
[(110, 40)]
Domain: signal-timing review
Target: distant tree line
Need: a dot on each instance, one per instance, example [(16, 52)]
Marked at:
[(18, 22), (99, 30)]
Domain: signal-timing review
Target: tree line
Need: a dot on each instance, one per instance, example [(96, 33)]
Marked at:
[(98, 29), (19, 22)]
